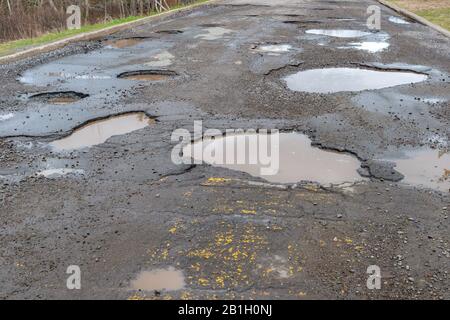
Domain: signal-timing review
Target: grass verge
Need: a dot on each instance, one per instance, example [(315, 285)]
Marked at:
[(435, 11), (10, 47)]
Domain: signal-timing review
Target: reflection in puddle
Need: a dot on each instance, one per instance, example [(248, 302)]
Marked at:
[(275, 48), (339, 33), (348, 79), (4, 117), (124, 43), (54, 173), (397, 20), (214, 33), (298, 160), (368, 46), (425, 167), (168, 279), (98, 132)]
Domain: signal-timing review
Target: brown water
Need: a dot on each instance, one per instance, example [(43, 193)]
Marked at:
[(124, 43), (425, 167), (98, 132), (332, 80), (298, 160), (168, 279), (63, 100)]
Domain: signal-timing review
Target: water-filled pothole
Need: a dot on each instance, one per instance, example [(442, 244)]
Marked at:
[(339, 33), (274, 48), (61, 97), (331, 80), (297, 160), (124, 43), (97, 132), (148, 75), (370, 46), (425, 167), (168, 279)]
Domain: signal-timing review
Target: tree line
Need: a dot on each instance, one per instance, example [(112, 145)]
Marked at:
[(20, 19)]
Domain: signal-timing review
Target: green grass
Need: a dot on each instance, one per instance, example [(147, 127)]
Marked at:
[(440, 17), (18, 45)]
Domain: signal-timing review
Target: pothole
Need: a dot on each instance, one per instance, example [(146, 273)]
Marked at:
[(339, 33), (293, 155), (63, 97), (331, 80), (56, 173), (148, 75), (369, 46), (214, 33), (124, 43), (425, 167), (274, 48), (99, 131), (168, 279), (169, 31)]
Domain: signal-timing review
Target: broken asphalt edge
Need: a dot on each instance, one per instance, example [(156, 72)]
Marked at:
[(415, 17), (96, 34)]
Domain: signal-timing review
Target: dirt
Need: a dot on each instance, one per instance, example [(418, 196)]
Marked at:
[(123, 207)]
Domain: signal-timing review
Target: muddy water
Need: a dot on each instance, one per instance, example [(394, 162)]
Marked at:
[(425, 167), (124, 43), (339, 33), (147, 77), (298, 160), (168, 279), (348, 79), (98, 132)]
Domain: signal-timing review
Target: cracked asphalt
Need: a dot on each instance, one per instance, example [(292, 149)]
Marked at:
[(129, 208)]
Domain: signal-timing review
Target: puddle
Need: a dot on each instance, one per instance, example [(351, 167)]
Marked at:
[(168, 279), (339, 33), (124, 43), (333, 80), (397, 20), (148, 75), (214, 33), (298, 160), (55, 173), (59, 98), (4, 117), (425, 167), (368, 46), (98, 132), (275, 48), (163, 59)]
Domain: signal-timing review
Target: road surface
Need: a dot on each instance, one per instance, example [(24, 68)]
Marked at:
[(122, 207)]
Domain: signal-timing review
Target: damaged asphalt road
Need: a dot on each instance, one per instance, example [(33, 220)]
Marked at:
[(121, 207)]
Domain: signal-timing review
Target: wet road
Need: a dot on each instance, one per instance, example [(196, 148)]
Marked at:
[(86, 176)]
